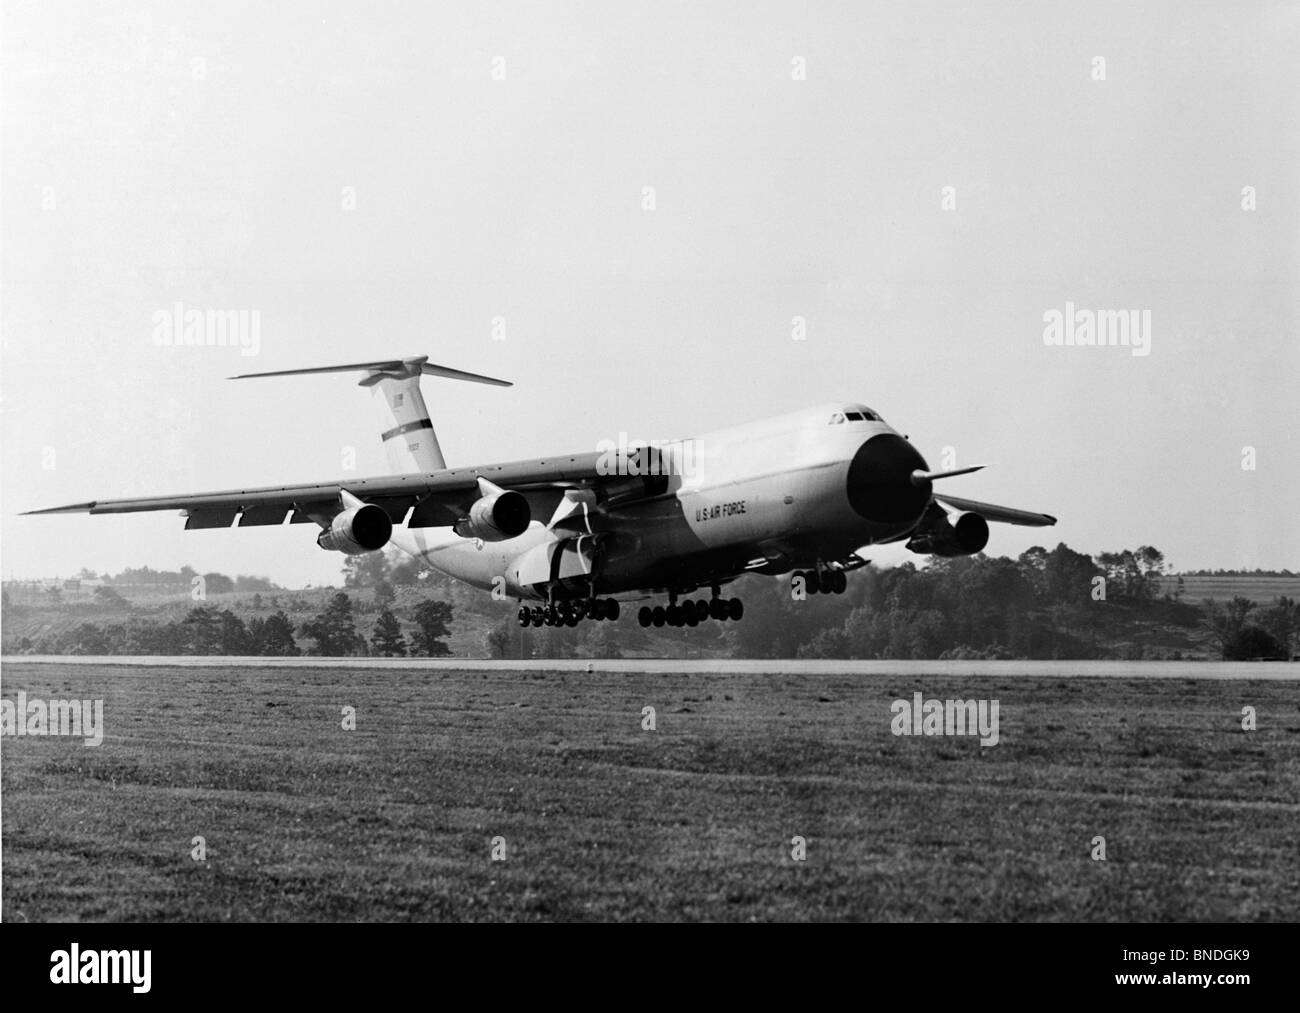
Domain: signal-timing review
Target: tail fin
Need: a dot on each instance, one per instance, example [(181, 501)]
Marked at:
[(395, 386)]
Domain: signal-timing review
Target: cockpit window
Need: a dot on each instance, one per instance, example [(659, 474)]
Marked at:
[(853, 416), (871, 416)]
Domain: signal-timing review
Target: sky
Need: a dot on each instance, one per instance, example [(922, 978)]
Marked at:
[(625, 208)]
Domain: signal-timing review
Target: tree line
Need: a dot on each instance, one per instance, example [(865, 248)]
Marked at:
[(209, 630)]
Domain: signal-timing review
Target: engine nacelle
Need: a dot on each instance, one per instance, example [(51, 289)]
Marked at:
[(959, 534), (364, 528), (496, 517)]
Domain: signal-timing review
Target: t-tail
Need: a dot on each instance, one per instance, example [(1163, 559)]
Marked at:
[(407, 430)]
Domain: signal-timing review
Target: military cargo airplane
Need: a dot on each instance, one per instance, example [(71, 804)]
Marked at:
[(568, 536)]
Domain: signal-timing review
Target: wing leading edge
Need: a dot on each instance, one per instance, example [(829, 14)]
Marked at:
[(439, 498), (992, 512)]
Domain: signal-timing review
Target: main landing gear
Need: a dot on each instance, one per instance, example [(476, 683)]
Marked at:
[(568, 613), (823, 581), (692, 613)]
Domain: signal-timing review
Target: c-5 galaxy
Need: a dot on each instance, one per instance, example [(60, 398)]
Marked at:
[(570, 536)]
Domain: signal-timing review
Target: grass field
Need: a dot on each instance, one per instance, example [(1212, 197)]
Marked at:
[(394, 821)]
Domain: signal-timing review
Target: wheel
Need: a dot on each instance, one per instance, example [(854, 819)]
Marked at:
[(718, 609), (689, 616), (645, 615), (612, 608), (673, 614), (596, 609), (735, 609), (659, 616), (572, 619), (538, 615), (552, 616), (812, 582), (525, 617), (841, 582)]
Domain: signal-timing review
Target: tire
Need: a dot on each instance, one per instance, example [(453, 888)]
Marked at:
[(645, 615), (718, 609), (735, 610), (659, 616), (612, 609)]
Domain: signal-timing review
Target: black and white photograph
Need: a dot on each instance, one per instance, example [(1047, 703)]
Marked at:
[(651, 462)]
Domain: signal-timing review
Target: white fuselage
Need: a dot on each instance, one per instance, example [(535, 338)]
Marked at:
[(775, 490)]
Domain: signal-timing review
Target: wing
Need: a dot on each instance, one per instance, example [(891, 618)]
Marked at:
[(436, 499), (990, 512)]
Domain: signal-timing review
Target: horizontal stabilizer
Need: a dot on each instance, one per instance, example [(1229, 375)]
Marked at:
[(403, 367)]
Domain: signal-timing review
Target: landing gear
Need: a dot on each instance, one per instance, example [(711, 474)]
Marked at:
[(821, 581), (691, 612), (676, 614), (569, 613)]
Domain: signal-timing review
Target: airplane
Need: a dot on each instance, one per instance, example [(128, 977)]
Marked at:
[(569, 536)]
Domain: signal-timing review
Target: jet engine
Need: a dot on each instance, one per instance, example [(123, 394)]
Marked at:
[(957, 534), (499, 515), (363, 528)]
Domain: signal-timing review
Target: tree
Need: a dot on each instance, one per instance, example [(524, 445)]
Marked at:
[(273, 636), (387, 639), (232, 634), (1282, 621), (365, 570), (89, 639), (432, 621), (202, 626), (1227, 620), (1250, 643), (217, 583), (384, 595), (333, 629), (110, 597)]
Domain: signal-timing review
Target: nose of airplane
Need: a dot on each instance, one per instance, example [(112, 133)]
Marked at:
[(880, 482)]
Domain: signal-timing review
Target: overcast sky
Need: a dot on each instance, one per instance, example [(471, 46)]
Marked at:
[(385, 179)]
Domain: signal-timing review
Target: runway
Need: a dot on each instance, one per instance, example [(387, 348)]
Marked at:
[(1211, 670)]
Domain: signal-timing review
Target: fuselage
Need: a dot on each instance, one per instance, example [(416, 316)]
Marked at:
[(767, 496)]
